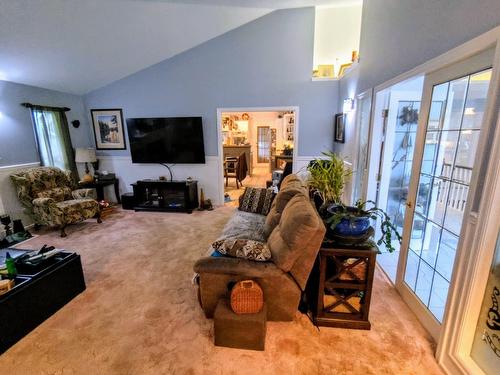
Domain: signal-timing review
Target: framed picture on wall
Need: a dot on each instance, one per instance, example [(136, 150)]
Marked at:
[(339, 131), (108, 129)]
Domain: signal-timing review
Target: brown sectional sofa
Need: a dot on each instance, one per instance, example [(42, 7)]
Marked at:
[(294, 232)]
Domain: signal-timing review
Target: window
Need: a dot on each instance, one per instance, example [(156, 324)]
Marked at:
[(53, 139), (337, 33)]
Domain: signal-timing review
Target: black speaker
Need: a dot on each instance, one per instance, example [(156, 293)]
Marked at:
[(128, 201)]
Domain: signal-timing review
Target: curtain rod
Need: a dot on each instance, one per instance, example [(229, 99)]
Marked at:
[(44, 107)]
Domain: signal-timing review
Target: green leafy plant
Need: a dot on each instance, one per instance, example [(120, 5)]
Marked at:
[(359, 210), (327, 178)]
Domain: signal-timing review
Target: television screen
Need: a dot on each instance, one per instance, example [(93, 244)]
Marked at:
[(166, 140)]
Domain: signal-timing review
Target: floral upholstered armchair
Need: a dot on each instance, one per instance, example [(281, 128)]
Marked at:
[(49, 197)]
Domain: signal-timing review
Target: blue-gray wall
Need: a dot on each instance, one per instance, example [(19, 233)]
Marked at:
[(397, 35), (266, 62), (17, 140)]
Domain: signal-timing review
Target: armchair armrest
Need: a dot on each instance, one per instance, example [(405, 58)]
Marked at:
[(43, 202), (46, 211), (237, 266), (83, 193)]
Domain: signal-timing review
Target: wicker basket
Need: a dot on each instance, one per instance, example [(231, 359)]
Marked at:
[(247, 297)]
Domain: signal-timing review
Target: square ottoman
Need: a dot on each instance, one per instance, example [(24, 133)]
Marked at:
[(242, 331)]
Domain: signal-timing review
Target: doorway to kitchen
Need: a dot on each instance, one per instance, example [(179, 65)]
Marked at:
[(256, 146)]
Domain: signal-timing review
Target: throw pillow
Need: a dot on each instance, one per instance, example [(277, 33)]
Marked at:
[(257, 200), (246, 249)]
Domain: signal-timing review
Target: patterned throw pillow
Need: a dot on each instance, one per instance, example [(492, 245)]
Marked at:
[(240, 248), (256, 200)]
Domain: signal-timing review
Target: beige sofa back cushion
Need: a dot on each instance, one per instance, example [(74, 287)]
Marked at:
[(290, 186), (298, 228)]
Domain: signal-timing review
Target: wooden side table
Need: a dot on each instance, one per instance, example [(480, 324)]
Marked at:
[(99, 187), (341, 286)]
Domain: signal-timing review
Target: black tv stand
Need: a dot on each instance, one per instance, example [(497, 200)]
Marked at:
[(165, 196)]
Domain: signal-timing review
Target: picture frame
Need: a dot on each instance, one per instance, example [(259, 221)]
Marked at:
[(339, 130), (108, 127)]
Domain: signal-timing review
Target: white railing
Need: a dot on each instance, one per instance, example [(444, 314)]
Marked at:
[(457, 196)]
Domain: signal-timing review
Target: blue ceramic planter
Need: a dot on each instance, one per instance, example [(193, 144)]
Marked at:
[(352, 228)]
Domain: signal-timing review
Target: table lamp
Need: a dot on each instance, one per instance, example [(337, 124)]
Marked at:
[(86, 155)]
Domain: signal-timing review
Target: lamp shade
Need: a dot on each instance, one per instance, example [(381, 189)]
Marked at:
[(85, 155)]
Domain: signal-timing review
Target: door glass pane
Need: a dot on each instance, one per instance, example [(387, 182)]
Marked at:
[(446, 154), (431, 243), (457, 198), (486, 345), (439, 293), (424, 282), (455, 103), (447, 248), (437, 200), (476, 100), (443, 188), (411, 269), (417, 234), (431, 145), (424, 189), (263, 144), (467, 146)]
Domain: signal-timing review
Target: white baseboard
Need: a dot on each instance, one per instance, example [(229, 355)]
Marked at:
[(128, 173)]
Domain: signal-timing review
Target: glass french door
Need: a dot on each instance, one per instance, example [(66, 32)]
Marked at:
[(263, 144), (454, 100)]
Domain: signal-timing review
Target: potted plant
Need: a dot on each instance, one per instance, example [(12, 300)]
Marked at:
[(327, 178), (356, 221)]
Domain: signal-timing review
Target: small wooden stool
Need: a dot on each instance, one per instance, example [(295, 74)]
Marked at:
[(242, 331)]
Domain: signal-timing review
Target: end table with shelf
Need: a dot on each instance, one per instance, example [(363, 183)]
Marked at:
[(99, 185), (340, 286)]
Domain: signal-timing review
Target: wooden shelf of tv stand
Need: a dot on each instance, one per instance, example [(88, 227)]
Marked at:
[(183, 193)]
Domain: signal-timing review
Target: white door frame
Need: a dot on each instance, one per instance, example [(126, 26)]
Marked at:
[(357, 122), (471, 267), (220, 161)]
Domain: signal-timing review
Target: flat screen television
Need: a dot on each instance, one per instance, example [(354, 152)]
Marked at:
[(177, 140)]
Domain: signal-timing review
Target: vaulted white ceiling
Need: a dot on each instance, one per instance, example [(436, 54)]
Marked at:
[(79, 45)]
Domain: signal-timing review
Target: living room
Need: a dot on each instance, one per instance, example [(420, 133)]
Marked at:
[(95, 66)]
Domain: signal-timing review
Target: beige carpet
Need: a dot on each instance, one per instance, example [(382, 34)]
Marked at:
[(140, 315)]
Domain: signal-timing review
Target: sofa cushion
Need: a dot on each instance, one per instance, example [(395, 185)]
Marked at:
[(256, 200), (75, 210), (291, 179), (244, 225), (291, 186), (246, 249), (298, 226), (58, 193)]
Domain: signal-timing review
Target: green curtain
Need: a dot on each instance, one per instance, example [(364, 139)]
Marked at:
[(53, 139)]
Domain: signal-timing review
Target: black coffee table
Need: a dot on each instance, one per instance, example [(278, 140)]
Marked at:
[(39, 293)]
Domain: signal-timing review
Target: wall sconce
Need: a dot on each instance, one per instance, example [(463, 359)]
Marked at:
[(348, 105)]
